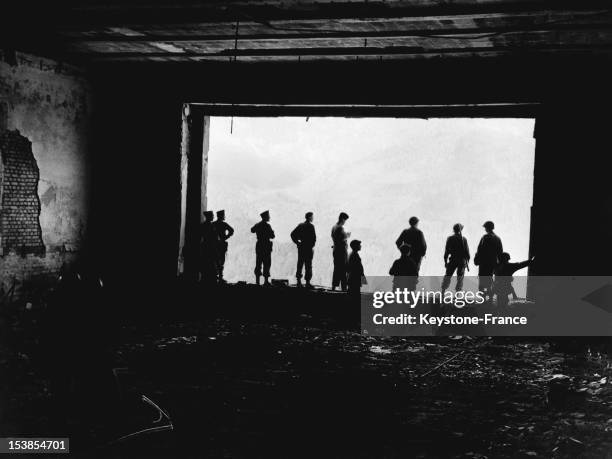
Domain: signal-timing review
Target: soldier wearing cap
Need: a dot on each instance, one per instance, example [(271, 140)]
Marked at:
[(488, 256), (340, 252), (456, 257), (305, 237), (413, 237), (355, 273), (263, 247), (224, 232), (208, 248)]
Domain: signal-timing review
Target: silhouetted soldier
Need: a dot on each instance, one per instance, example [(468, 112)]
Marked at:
[(304, 236), (209, 242), (487, 258), (355, 272), (340, 251), (502, 286), (263, 247), (413, 237), (404, 270), (456, 257), (224, 232)]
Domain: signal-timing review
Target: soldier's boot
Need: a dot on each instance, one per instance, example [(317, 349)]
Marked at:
[(257, 280), (266, 281), (299, 282), (309, 285)]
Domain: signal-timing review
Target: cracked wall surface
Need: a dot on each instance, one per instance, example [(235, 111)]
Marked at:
[(49, 104)]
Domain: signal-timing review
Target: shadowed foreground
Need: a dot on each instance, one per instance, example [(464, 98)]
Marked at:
[(287, 374)]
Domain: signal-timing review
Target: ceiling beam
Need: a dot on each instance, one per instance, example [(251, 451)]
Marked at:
[(124, 15), (315, 35), (405, 51), (506, 110)]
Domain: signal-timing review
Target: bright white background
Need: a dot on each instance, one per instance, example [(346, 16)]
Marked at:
[(379, 171)]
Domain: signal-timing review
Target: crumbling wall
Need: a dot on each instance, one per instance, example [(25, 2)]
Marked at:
[(45, 114), (19, 204)]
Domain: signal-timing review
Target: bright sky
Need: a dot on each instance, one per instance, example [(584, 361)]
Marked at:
[(379, 171)]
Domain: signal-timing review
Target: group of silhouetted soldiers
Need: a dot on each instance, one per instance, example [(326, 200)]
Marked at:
[(348, 271), (494, 268), (213, 246)]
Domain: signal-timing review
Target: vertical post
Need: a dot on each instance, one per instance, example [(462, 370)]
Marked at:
[(193, 177), (572, 199), (204, 181), (532, 221)]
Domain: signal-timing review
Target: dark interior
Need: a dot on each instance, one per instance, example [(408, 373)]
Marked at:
[(155, 70)]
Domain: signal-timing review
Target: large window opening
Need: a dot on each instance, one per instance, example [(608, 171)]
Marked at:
[(381, 172)]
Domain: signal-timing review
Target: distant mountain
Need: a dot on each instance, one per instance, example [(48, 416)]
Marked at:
[(444, 171)]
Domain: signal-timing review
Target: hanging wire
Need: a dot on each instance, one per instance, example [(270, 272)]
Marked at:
[(236, 40), (235, 58)]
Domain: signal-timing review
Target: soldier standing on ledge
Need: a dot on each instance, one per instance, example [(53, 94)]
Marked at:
[(413, 237), (404, 270), (304, 236), (224, 232), (340, 252), (263, 247), (504, 272), (355, 273), (456, 257), (209, 242), (488, 256)]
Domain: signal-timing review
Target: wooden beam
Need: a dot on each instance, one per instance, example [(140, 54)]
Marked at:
[(395, 51), (501, 110), (214, 12), (193, 177), (449, 33)]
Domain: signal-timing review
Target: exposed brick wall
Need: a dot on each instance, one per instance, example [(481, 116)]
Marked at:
[(46, 190), (3, 115), (19, 204)]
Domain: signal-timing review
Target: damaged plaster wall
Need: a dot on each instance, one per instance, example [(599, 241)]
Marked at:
[(49, 104)]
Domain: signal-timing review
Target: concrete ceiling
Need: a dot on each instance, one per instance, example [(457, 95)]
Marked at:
[(194, 31)]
